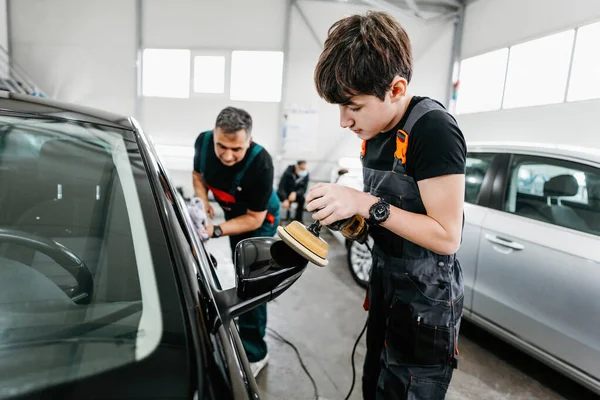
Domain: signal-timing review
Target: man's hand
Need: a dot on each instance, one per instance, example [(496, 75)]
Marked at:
[(285, 204), (209, 210), (336, 202), (292, 197), (210, 229)]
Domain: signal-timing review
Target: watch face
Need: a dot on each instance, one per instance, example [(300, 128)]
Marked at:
[(218, 232), (380, 212)]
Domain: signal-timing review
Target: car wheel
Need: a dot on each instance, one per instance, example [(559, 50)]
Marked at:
[(360, 261)]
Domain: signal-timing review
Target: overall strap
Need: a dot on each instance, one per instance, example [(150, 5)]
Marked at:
[(204, 149), (419, 110), (256, 149)]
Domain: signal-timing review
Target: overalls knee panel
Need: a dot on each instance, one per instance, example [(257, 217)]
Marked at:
[(415, 300)]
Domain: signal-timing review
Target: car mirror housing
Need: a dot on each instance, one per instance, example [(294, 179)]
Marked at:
[(266, 265), (265, 268)]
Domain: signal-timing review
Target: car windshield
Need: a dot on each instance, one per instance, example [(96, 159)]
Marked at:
[(78, 294)]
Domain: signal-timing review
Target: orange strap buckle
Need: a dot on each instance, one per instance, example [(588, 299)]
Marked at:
[(401, 146)]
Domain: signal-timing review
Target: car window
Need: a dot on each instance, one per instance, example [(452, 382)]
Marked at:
[(77, 283), (477, 166), (555, 191)]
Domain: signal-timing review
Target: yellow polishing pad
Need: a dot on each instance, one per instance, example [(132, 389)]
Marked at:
[(306, 244)]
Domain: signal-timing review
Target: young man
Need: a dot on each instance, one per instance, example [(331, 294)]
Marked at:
[(413, 157), (239, 173), (292, 188)]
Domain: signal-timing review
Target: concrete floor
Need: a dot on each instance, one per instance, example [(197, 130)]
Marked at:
[(322, 316)]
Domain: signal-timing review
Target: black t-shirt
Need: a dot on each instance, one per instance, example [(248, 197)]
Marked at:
[(256, 185), (436, 146)]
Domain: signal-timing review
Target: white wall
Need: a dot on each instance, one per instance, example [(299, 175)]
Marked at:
[(78, 51), (4, 38), (493, 24), (431, 42), (3, 25)]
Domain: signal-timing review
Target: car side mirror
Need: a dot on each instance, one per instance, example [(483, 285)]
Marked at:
[(265, 267)]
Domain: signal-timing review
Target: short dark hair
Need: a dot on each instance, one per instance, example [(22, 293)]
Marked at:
[(231, 120), (362, 55), (300, 162)]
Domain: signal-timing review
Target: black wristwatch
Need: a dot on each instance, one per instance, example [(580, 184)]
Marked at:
[(217, 232), (379, 212)]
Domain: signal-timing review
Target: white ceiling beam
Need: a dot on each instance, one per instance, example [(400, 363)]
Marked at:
[(433, 7)]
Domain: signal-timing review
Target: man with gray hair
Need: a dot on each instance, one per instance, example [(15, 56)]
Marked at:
[(239, 173)]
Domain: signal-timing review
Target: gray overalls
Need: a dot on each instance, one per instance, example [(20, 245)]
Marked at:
[(415, 301)]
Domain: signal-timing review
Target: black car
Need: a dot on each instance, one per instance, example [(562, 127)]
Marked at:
[(105, 289)]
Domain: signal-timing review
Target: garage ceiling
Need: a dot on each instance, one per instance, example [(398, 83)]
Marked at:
[(421, 8)]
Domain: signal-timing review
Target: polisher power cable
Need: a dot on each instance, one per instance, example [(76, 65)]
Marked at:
[(306, 242)]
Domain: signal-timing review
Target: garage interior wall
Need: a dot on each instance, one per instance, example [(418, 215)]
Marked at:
[(78, 51), (486, 29)]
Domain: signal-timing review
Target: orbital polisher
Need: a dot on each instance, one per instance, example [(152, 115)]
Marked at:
[(306, 241)]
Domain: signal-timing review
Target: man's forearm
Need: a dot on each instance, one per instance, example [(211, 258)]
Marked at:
[(200, 189), (242, 224), (420, 229)]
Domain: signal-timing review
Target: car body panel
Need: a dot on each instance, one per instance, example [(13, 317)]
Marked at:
[(467, 255), (535, 281), (543, 292)]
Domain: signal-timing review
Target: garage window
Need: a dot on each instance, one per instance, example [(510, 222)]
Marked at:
[(166, 73), (538, 71), (482, 82), (585, 72), (256, 75)]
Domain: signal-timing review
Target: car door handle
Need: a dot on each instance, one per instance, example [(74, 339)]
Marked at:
[(504, 242)]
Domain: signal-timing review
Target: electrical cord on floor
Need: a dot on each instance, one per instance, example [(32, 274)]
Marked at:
[(277, 336), (357, 341), (352, 358)]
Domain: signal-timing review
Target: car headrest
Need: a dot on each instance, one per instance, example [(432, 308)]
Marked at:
[(561, 186), (72, 162)]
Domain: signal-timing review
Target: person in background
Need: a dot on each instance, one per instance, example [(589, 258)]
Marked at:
[(292, 188), (239, 173)]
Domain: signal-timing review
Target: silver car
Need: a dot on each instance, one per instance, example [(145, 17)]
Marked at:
[(531, 251)]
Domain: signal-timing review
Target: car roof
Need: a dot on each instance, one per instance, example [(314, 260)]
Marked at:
[(543, 149), (44, 107)]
